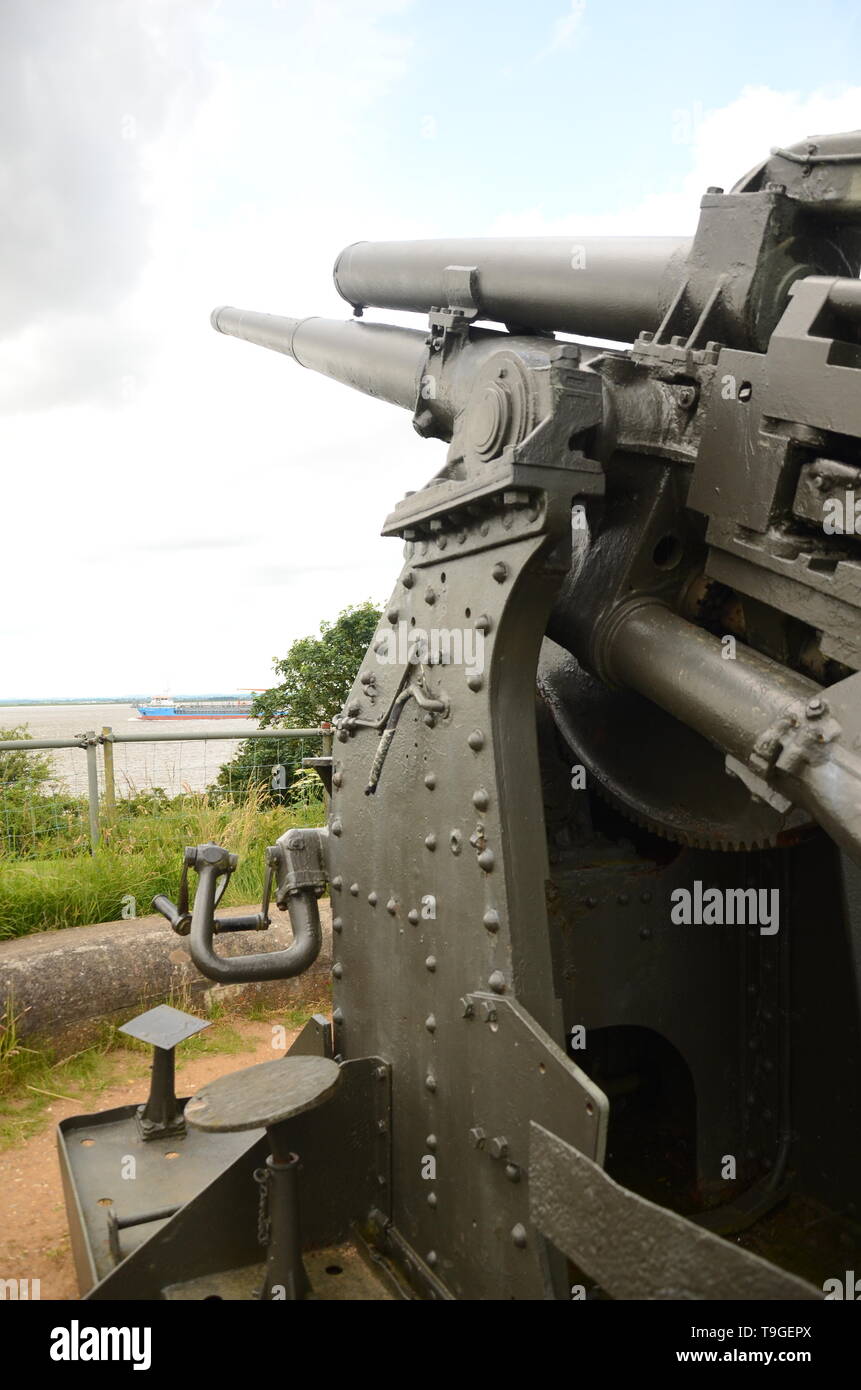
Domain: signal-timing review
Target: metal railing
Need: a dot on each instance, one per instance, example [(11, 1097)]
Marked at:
[(103, 805)]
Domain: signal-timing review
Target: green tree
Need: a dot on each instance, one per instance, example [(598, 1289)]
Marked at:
[(315, 678), (29, 815), (317, 672)]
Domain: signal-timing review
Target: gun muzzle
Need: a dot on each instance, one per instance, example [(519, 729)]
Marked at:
[(378, 359)]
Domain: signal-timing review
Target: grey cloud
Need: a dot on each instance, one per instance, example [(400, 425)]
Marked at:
[(86, 86)]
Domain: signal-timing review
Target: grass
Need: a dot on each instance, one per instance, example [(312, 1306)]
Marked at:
[(31, 1078), (142, 855)]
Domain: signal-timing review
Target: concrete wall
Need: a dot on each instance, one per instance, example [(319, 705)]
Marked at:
[(62, 984)]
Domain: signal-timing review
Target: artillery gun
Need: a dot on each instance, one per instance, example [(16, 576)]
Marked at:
[(594, 834)]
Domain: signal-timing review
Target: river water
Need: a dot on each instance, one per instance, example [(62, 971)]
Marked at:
[(176, 766)]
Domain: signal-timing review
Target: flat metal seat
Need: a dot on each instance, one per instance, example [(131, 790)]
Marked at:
[(264, 1095)]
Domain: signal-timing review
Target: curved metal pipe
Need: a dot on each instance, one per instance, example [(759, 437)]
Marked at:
[(273, 965)]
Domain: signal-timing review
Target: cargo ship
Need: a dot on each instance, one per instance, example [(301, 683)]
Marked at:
[(204, 707)]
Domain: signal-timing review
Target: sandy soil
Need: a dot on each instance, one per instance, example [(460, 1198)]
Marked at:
[(34, 1242)]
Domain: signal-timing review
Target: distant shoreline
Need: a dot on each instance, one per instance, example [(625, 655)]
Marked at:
[(108, 699)]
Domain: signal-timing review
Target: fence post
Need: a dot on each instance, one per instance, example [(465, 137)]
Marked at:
[(328, 745), (91, 746), (108, 764)]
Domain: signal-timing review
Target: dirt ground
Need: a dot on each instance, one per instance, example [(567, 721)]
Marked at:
[(34, 1242)]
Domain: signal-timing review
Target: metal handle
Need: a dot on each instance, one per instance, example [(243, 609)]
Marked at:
[(297, 859)]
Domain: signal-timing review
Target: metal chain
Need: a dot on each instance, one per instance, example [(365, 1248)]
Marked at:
[(261, 1177)]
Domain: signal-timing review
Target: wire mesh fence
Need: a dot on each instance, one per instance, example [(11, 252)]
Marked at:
[(64, 797)]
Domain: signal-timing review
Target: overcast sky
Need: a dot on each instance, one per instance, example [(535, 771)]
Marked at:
[(179, 506)]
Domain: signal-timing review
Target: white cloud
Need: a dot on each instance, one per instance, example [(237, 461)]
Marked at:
[(724, 144), (565, 29)]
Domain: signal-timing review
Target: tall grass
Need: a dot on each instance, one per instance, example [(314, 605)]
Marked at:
[(141, 855)]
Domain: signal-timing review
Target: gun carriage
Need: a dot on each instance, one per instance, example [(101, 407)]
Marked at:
[(596, 891)]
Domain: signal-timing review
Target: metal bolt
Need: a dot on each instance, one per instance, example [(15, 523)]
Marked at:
[(431, 1141), (430, 841), (477, 1137), (372, 899), (337, 970), (486, 860), (476, 740), (430, 964), (474, 682), (432, 1257), (480, 799), (488, 1011), (354, 889), (430, 1023), (467, 1007), (483, 623), (381, 1073), (413, 917), (512, 1172), (430, 781), (337, 779), (498, 1147), (430, 1083), (337, 883), (518, 1235), (337, 924), (391, 907), (431, 1199), (338, 1017), (816, 707), (497, 982)]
